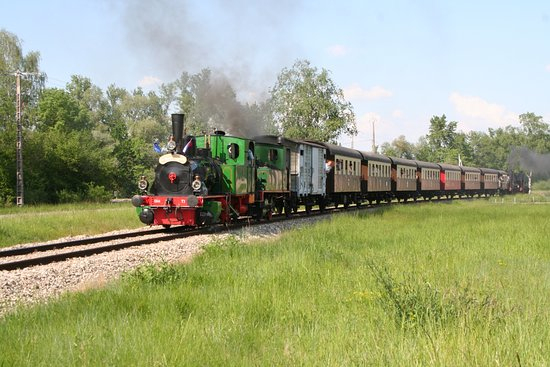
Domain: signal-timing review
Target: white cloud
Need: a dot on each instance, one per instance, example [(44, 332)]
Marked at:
[(337, 50), (356, 92), (548, 68), (480, 114), (149, 81)]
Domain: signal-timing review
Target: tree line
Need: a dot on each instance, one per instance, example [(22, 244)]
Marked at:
[(84, 143), (523, 148)]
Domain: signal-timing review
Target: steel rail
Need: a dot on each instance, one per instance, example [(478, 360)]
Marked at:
[(85, 241)]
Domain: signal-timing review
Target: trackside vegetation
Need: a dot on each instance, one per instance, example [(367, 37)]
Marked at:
[(464, 283), (40, 223)]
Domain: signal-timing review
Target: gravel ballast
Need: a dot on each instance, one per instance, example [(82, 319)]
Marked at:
[(43, 283)]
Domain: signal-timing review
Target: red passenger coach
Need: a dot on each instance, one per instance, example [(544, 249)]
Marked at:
[(450, 178)]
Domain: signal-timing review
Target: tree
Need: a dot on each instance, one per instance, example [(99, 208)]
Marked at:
[(492, 149), (59, 110), (399, 148), (307, 104), (443, 143), (537, 132)]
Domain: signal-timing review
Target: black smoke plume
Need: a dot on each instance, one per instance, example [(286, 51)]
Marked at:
[(528, 161), (244, 43)]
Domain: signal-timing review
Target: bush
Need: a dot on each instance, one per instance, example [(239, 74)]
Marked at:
[(66, 196), (542, 185), (97, 194)]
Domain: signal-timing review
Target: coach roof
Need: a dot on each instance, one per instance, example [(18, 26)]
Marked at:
[(404, 162), (369, 156), (336, 149), (422, 164), (449, 167)]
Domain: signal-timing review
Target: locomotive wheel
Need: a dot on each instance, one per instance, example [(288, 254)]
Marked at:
[(167, 226), (308, 209)]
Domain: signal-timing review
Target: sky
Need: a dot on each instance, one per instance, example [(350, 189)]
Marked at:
[(399, 63)]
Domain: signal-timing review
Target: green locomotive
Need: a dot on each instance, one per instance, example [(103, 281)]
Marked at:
[(213, 179)]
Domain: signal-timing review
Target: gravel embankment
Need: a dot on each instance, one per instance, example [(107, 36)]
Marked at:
[(41, 283)]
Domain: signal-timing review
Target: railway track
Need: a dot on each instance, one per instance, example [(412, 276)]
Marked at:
[(25, 257), (43, 254)]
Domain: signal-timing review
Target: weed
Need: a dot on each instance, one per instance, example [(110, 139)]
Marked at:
[(415, 302), (157, 274)]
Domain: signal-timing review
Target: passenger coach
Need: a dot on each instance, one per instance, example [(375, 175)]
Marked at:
[(376, 177), (343, 174), (404, 178), (450, 177), (429, 179)]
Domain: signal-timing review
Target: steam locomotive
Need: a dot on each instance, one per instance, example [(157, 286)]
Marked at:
[(216, 178)]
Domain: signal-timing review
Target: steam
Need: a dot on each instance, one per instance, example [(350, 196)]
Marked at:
[(530, 161), (244, 43)]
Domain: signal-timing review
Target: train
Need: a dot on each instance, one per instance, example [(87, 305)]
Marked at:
[(218, 178)]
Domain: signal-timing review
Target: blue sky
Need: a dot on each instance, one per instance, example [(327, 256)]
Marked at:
[(481, 63)]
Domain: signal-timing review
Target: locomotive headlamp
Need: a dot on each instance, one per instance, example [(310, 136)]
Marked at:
[(196, 185), (171, 145), (143, 184)]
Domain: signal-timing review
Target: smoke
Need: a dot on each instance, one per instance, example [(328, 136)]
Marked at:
[(244, 43), (530, 161), (219, 102)]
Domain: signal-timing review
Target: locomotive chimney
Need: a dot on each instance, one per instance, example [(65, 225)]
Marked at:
[(177, 131)]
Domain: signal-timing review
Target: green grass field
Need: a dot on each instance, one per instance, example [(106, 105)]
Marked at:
[(455, 284), (49, 222)]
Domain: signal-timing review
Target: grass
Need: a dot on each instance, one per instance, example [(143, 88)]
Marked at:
[(438, 284), (49, 222)]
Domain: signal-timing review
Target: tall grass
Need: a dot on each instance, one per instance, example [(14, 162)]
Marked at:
[(437, 284), (49, 222)]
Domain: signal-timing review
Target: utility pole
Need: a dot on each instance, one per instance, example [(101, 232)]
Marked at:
[(20, 194), (20, 187), (373, 138)]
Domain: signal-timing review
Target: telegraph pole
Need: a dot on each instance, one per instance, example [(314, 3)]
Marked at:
[(373, 138), (20, 194), (20, 187)]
